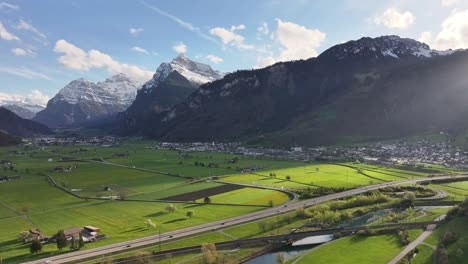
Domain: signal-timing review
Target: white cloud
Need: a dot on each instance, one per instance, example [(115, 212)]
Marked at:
[(263, 29), (5, 5), (214, 59), (425, 37), (34, 97), (229, 37), (264, 62), (29, 27), (449, 2), (298, 42), (239, 27), (77, 59), (4, 34), (454, 33), (140, 50), (394, 18), (179, 21), (24, 73), (135, 31), (180, 47), (22, 52), (38, 97)]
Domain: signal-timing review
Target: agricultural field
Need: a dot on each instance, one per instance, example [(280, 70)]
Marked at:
[(33, 202), (322, 175), (147, 180)]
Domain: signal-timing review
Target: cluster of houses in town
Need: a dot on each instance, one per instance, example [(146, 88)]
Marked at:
[(87, 233), (105, 141), (385, 153)]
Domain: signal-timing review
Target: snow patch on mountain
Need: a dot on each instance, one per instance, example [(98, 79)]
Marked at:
[(195, 72), (385, 46), (118, 89)]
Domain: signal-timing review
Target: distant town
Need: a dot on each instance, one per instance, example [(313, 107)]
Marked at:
[(418, 152)]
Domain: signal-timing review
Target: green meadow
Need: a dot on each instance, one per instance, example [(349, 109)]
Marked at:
[(145, 176), (358, 249)]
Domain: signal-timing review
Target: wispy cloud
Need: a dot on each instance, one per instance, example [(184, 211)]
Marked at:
[(179, 21), (214, 59), (24, 73), (135, 31), (4, 34), (140, 50), (29, 27), (22, 52), (5, 5)]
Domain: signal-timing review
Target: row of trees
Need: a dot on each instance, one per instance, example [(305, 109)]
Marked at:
[(75, 243), (61, 241)]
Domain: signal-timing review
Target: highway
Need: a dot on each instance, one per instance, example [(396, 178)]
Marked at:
[(191, 231)]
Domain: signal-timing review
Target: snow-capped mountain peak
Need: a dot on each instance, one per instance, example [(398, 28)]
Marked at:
[(392, 47), (117, 89), (195, 72)]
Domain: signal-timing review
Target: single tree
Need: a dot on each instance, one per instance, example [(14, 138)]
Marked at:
[(149, 223), (24, 236), (123, 194), (35, 247), (73, 244), (209, 253), (271, 203), (189, 214), (81, 242), (61, 240), (288, 178), (207, 200), (171, 208), (280, 258)]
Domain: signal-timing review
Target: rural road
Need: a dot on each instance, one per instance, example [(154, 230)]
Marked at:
[(190, 231), (440, 194), (416, 242)]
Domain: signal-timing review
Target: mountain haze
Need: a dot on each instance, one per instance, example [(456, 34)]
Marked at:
[(17, 126)]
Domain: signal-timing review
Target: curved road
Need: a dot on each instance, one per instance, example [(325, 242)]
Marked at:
[(189, 231)]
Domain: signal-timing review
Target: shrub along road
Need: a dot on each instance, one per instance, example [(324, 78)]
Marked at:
[(190, 231)]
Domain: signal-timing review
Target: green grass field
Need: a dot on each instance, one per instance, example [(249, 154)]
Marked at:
[(51, 209), (251, 196), (32, 198), (356, 249), (316, 175), (459, 226), (454, 193), (424, 255)]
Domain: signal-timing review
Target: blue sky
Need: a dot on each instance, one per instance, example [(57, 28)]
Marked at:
[(46, 44)]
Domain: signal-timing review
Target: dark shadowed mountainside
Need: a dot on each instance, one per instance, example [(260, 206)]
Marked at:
[(365, 89), (17, 126)]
